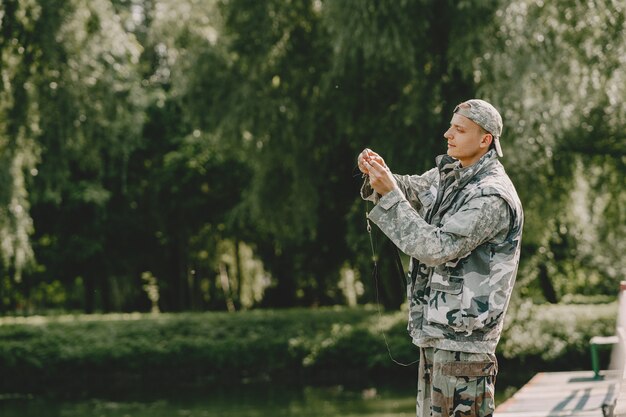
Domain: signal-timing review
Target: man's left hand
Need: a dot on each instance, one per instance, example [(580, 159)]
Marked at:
[(381, 178)]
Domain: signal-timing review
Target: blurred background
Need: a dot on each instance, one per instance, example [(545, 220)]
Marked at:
[(200, 155)]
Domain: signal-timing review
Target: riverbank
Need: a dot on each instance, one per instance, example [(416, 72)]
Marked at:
[(326, 345)]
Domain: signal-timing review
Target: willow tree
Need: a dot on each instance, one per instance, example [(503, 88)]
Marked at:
[(18, 124), (155, 136), (185, 173), (556, 69), (70, 110), (299, 88)]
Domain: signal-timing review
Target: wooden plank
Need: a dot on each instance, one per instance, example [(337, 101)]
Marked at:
[(561, 394)]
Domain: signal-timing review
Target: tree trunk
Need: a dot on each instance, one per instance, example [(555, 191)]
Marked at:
[(284, 293), (238, 273), (105, 290), (225, 283), (90, 294), (546, 285)]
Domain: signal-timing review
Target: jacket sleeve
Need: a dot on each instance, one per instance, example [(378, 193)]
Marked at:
[(415, 188), (481, 220), (419, 190)]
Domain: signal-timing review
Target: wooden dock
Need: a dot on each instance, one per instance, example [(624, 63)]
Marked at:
[(577, 394), (560, 394)]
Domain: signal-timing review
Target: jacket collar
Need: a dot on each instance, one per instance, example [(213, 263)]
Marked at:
[(449, 166)]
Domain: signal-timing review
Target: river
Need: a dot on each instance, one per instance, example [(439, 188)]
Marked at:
[(247, 400)]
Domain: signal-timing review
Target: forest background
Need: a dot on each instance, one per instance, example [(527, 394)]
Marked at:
[(201, 154)]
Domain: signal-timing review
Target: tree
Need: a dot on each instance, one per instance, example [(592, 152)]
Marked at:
[(555, 69), (74, 111), (181, 140)]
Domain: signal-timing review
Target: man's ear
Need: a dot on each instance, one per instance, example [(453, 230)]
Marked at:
[(486, 140)]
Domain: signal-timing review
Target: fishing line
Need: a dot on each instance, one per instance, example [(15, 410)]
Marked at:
[(375, 277)]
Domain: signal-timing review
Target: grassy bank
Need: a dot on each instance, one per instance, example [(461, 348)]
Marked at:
[(330, 344)]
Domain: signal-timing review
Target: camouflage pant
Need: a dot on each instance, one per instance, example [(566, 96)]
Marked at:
[(455, 384)]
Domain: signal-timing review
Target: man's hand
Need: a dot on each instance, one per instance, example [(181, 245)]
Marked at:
[(381, 178), (368, 155)]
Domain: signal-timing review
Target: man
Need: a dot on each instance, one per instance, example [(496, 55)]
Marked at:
[(461, 223)]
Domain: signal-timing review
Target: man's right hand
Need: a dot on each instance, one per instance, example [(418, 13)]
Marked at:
[(368, 155)]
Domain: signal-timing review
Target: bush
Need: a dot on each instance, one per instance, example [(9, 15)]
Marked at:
[(281, 344), (556, 336)]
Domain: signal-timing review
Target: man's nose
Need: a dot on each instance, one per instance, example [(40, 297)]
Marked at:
[(447, 135)]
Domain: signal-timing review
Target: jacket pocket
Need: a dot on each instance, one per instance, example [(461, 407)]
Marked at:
[(446, 300), (427, 198)]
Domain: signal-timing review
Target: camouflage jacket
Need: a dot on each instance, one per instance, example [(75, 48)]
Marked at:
[(462, 270)]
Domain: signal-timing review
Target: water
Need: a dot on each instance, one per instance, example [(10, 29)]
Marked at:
[(169, 398), (240, 401)]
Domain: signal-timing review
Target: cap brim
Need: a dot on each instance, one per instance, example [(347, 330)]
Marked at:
[(498, 147)]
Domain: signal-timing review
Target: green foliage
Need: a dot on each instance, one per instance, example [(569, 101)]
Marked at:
[(159, 136), (233, 346), (555, 70), (281, 344), (556, 334), (73, 108), (18, 121)]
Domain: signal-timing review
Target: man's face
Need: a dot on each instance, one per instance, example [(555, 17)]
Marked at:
[(467, 142)]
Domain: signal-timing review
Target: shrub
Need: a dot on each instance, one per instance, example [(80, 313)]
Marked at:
[(555, 335), (279, 344)]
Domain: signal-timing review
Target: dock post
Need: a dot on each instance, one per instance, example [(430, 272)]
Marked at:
[(619, 409)]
